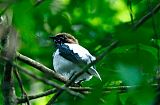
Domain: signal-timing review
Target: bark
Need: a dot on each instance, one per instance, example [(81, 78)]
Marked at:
[(9, 97), (8, 52)]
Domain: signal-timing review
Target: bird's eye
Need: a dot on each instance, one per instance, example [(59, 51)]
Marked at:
[(62, 38)]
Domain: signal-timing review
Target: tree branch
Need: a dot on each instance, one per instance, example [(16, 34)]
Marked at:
[(24, 94), (44, 80), (57, 86), (38, 3), (23, 100), (40, 67), (130, 11), (147, 16), (119, 89)]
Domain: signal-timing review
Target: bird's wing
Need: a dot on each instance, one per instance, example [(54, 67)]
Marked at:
[(69, 53), (78, 55)]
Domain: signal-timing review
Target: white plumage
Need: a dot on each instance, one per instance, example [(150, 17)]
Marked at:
[(67, 68)]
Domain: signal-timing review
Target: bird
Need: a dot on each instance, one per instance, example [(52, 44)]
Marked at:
[(70, 58)]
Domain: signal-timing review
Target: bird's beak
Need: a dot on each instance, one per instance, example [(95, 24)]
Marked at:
[(51, 37)]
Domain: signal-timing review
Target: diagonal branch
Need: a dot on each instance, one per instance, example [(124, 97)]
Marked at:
[(57, 86), (38, 3), (40, 67), (46, 93), (24, 94), (44, 80), (147, 16), (131, 11)]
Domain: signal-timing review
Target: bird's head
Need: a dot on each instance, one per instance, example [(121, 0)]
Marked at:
[(62, 38)]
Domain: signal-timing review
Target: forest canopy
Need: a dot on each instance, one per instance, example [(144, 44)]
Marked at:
[(122, 34)]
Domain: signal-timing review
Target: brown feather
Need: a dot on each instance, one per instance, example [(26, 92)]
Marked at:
[(69, 38)]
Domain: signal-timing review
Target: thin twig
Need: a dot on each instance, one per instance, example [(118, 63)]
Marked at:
[(46, 93), (147, 16), (57, 86), (131, 11), (21, 86), (154, 26), (109, 48), (44, 80), (38, 3), (40, 67), (119, 89)]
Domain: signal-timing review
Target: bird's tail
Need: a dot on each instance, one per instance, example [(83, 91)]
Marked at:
[(95, 73)]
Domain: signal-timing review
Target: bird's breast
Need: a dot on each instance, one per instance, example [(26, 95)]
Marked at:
[(64, 66)]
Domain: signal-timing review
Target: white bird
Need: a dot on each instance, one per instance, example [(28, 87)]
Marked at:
[(70, 58)]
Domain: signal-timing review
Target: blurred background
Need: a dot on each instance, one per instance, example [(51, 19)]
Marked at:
[(95, 23)]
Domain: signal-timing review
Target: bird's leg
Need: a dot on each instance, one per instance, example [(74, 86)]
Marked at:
[(73, 84), (79, 83), (72, 75)]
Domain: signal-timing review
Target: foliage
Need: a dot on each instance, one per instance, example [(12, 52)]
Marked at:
[(95, 23)]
